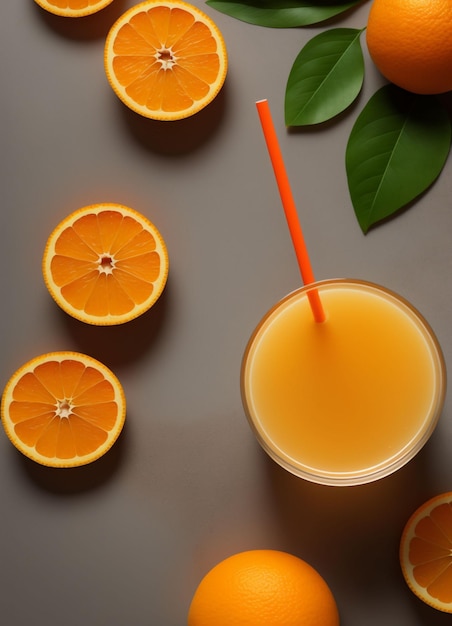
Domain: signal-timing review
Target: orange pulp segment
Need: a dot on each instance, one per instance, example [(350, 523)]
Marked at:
[(73, 8), (105, 264), (63, 409), (426, 552), (165, 60)]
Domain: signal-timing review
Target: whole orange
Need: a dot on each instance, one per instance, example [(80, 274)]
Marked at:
[(263, 588), (410, 42)]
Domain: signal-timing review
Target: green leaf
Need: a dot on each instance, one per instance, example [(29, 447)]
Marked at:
[(282, 13), (396, 150), (325, 78)]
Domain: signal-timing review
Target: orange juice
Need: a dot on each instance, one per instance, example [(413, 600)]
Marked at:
[(349, 400)]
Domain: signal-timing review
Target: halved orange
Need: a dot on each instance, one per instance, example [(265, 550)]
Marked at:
[(105, 264), (63, 409), (166, 60), (73, 8), (426, 552)]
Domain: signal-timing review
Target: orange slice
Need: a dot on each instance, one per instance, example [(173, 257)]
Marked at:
[(63, 409), (165, 60), (73, 8), (105, 264), (426, 552)]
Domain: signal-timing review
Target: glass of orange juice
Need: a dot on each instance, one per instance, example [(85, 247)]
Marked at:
[(349, 400)]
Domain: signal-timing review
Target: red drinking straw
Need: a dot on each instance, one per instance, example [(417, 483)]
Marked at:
[(290, 209)]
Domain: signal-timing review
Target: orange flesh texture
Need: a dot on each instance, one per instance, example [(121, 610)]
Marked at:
[(106, 241), (34, 409), (169, 33), (72, 4), (430, 553)]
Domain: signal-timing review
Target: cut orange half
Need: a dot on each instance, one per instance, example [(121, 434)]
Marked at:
[(73, 8), (63, 409), (165, 60), (105, 264), (426, 552)]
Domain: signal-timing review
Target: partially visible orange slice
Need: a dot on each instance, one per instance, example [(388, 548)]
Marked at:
[(73, 8), (63, 409), (426, 552), (105, 264), (165, 59)]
